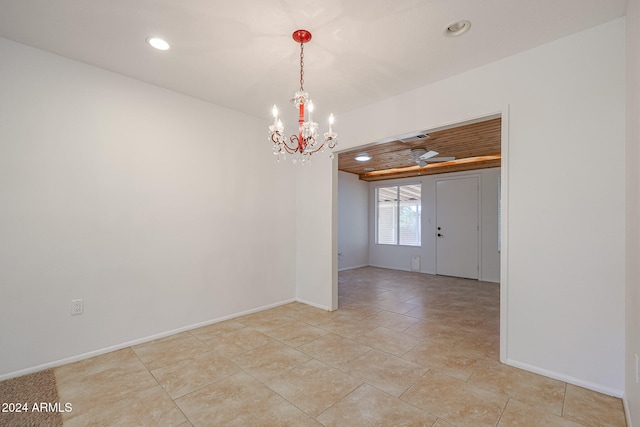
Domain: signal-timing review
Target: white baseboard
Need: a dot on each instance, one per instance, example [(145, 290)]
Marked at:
[(566, 378), (353, 268), (386, 267), (143, 340), (627, 414), (313, 304)]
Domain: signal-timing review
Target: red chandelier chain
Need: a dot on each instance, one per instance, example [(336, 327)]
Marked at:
[(301, 66)]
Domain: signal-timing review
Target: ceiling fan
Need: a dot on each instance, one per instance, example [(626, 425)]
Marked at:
[(422, 157)]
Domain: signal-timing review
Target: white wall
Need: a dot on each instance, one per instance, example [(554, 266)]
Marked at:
[(563, 283), (399, 257), (353, 221), (135, 199), (632, 390), (316, 253)]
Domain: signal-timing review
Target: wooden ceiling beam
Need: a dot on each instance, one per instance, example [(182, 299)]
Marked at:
[(433, 169)]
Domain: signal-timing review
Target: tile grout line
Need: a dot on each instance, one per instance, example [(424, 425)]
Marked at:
[(502, 411), (163, 389), (264, 383), (339, 400)]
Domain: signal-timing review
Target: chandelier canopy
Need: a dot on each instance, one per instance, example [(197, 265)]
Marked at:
[(305, 143)]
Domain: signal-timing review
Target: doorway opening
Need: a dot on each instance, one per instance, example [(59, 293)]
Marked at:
[(471, 174)]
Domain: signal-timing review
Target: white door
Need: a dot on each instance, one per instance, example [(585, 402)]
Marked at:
[(457, 227)]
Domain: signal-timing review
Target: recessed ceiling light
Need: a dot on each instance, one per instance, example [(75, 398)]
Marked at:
[(363, 157), (158, 43), (457, 28)]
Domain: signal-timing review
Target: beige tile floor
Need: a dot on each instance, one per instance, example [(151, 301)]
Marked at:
[(404, 349)]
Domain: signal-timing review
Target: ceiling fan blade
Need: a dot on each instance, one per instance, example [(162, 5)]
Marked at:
[(428, 155), (440, 159)]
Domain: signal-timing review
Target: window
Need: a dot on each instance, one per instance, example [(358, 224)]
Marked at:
[(398, 210)]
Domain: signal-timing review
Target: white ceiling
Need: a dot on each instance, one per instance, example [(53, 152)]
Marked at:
[(240, 54)]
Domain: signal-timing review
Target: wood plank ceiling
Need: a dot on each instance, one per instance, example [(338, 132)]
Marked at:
[(474, 146)]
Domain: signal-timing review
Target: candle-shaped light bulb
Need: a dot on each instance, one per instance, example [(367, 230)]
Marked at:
[(275, 115), (279, 125), (331, 120), (310, 108)]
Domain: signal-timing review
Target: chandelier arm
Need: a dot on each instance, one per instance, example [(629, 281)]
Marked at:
[(320, 147), (283, 143), (299, 142), (288, 150), (276, 138), (328, 143), (310, 142), (331, 143)]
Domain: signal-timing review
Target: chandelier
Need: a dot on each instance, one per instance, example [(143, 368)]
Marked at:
[(305, 143)]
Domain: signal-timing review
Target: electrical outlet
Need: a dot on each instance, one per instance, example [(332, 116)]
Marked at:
[(77, 306)]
